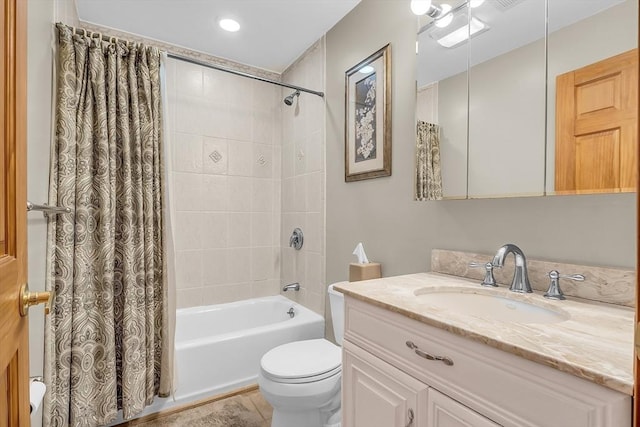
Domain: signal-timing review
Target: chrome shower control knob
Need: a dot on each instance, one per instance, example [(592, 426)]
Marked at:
[(297, 239)]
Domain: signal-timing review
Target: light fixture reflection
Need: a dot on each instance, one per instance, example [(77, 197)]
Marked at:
[(463, 33), (366, 69), (420, 7), (446, 18), (475, 3)]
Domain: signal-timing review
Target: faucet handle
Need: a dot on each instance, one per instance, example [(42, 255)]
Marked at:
[(489, 280), (554, 291)]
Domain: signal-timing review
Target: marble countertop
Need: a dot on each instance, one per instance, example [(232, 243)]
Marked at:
[(595, 343)]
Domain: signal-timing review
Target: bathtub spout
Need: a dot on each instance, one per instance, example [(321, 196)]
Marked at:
[(294, 286)]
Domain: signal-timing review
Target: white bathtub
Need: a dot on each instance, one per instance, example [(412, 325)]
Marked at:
[(219, 347)]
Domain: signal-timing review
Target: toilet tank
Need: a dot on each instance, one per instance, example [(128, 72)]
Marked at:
[(336, 301)]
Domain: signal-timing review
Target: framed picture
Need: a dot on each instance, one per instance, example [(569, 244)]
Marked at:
[(368, 118)]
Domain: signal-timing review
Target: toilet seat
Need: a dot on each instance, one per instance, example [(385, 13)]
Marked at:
[(302, 362)]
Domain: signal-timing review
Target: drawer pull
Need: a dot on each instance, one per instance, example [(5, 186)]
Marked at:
[(444, 359), (410, 415)]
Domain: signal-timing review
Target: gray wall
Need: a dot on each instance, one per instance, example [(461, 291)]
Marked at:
[(41, 16), (400, 233), (39, 84)]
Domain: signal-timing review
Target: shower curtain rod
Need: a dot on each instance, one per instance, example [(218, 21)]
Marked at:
[(241, 74), (105, 37)]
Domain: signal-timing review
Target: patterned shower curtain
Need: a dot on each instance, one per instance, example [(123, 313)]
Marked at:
[(106, 340), (428, 174)]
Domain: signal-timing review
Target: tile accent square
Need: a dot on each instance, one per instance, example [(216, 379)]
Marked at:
[(215, 156)]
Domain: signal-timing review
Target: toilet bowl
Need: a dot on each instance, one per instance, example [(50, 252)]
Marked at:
[(301, 379)]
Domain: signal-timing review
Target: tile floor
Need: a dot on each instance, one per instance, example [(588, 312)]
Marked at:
[(243, 410)]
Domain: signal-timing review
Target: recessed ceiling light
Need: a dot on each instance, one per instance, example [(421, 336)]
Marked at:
[(475, 3), (229, 25)]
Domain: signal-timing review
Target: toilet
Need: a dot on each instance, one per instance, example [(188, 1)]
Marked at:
[(301, 379)]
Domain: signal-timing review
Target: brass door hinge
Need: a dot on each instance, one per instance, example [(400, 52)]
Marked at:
[(636, 340)]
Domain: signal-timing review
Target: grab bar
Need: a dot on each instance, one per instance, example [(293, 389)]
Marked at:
[(46, 209)]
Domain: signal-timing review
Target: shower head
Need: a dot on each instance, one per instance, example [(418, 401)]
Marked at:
[(289, 99)]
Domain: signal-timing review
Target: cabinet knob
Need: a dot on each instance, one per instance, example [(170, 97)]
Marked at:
[(410, 416)]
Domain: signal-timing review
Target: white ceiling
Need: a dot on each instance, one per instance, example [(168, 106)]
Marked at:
[(273, 33)]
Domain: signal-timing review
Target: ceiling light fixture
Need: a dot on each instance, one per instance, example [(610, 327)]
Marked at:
[(475, 3), (230, 25), (420, 7), (454, 38), (425, 7), (446, 16), (367, 69)]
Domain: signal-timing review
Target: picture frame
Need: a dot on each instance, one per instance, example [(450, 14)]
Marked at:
[(368, 117)]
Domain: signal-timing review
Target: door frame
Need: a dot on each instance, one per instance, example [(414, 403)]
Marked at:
[(14, 329), (636, 360)]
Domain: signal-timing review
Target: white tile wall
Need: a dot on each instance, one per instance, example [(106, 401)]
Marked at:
[(303, 184), (225, 142), (246, 171)]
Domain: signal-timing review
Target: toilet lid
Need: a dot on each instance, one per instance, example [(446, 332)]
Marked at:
[(302, 361)]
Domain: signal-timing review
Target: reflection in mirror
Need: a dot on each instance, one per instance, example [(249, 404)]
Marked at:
[(493, 86), (443, 70), (507, 100), (592, 96)]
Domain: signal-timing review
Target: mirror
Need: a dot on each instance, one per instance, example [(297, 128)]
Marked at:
[(443, 99), (507, 100), (494, 95), (591, 76)]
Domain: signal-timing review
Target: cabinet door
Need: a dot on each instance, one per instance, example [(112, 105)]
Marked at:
[(443, 411), (375, 394)]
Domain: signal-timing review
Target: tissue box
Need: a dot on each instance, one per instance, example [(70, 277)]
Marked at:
[(368, 271)]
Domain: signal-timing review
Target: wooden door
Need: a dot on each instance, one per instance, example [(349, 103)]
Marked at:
[(377, 394), (596, 127), (14, 340), (636, 359), (446, 412)]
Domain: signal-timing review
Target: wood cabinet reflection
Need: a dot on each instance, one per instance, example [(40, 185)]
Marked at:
[(596, 127)]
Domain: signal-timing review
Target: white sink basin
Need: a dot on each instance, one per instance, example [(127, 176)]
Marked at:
[(490, 306)]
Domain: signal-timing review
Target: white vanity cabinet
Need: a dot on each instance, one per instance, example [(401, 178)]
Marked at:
[(388, 380), (443, 411), (382, 395), (379, 394)]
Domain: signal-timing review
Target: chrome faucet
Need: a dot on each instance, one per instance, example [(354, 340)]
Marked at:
[(520, 282), (294, 286)]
